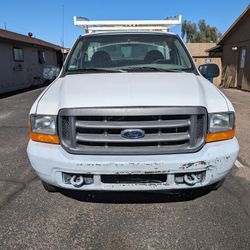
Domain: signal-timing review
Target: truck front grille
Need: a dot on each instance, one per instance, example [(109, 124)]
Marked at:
[(99, 130)]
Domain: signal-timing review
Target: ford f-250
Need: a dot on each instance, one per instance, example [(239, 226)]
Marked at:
[(130, 111)]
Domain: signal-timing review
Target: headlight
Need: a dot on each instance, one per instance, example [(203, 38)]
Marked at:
[(43, 128), (221, 122), (44, 124), (220, 126)]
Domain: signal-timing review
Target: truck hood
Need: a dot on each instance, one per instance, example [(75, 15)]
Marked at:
[(130, 89)]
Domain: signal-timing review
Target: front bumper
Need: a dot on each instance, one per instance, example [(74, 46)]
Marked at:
[(50, 161)]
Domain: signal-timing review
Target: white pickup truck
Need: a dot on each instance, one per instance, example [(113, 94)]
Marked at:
[(130, 111)]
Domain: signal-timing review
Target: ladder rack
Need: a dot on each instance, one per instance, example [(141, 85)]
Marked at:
[(127, 25)]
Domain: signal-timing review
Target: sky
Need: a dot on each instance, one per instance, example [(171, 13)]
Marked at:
[(44, 18)]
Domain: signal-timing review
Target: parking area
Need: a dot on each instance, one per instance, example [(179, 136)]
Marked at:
[(31, 218), (241, 102)]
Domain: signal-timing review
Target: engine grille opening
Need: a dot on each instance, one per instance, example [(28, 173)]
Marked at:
[(134, 179), (100, 131)]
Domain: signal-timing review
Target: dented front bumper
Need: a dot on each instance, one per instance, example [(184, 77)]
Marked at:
[(51, 161)]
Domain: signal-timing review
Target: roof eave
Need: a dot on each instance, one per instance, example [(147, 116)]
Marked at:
[(233, 25), (217, 47)]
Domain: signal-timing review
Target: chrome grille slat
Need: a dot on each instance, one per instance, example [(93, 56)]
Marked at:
[(147, 138), (98, 131), (130, 124)]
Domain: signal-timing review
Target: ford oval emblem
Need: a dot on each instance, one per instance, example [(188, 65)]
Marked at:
[(133, 133)]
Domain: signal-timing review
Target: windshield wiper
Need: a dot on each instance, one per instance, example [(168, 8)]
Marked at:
[(85, 70), (146, 68)]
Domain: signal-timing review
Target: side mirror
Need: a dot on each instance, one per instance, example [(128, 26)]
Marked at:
[(209, 70)]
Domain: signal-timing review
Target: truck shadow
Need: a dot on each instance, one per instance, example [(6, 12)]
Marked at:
[(136, 197), (19, 91)]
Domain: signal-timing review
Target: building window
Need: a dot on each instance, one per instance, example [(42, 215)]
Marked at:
[(243, 53), (41, 57), (18, 55)]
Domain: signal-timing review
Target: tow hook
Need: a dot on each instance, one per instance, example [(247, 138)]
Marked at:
[(77, 181), (190, 179)]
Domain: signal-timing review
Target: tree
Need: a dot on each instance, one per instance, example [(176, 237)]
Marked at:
[(201, 33)]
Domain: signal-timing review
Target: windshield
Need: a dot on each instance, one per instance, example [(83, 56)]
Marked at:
[(128, 52)]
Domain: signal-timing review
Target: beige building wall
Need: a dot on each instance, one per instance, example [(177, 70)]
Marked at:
[(201, 56), (217, 60)]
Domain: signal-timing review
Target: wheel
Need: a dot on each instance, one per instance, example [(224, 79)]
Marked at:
[(49, 188)]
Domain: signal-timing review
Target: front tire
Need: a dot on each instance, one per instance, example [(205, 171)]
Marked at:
[(50, 188)]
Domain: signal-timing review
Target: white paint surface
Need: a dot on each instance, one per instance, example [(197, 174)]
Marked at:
[(238, 164), (131, 90)]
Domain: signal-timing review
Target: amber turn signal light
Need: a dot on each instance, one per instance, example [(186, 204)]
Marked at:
[(220, 136), (54, 139)]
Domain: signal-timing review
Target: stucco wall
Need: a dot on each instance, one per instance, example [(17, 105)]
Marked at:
[(17, 75), (202, 60)]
